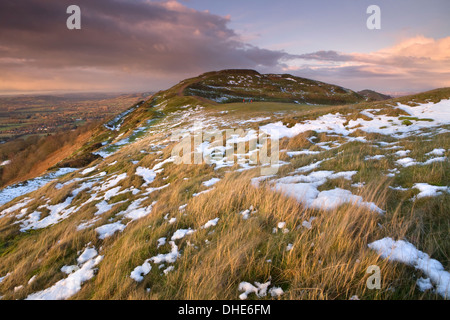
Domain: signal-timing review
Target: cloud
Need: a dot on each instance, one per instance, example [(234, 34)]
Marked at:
[(140, 45), (120, 42), (412, 64)]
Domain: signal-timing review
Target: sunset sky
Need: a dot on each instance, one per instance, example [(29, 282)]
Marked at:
[(137, 45)]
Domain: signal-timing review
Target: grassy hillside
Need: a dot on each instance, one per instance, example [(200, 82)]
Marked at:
[(236, 85), (134, 224), (31, 157)]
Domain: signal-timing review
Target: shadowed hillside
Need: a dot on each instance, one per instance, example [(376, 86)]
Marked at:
[(235, 85)]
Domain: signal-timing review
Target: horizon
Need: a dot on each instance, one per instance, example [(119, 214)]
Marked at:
[(61, 93), (137, 46)]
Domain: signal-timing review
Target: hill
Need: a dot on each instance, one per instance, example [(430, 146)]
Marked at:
[(191, 198), (236, 85), (371, 95)]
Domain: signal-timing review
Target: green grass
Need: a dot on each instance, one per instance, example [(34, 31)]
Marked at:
[(409, 119)]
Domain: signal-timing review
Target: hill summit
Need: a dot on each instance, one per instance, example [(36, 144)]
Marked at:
[(236, 85)]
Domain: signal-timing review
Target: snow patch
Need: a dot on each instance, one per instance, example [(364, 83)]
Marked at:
[(405, 252), (69, 286)]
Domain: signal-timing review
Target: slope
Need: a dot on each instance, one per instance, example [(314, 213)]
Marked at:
[(354, 186)]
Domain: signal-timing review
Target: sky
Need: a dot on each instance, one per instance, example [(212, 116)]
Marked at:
[(142, 45)]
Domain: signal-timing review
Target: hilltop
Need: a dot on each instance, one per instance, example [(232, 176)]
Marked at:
[(135, 214), (371, 95), (228, 86)]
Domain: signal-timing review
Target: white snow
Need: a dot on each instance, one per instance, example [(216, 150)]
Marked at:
[(424, 284), (168, 269), (69, 286), (102, 207), (170, 257), (331, 199), (436, 152), (211, 182), (135, 211), (358, 185), (256, 181), (247, 288), (305, 190), (211, 223), (140, 271), (57, 213), (281, 225), (11, 192), (4, 277), (147, 174), (108, 230), (440, 159), (377, 157), (398, 188), (259, 289), (181, 233), (386, 125), (437, 111), (16, 207), (87, 224), (310, 167), (402, 153), (5, 163), (308, 224), (69, 269), (406, 162), (427, 190), (88, 170), (111, 193), (32, 279), (115, 124), (202, 192), (161, 241), (404, 252), (112, 182), (88, 254), (246, 213), (276, 292), (302, 152)]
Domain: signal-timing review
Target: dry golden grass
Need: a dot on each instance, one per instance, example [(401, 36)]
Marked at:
[(327, 262)]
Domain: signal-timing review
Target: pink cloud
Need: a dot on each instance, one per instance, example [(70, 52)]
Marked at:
[(412, 64)]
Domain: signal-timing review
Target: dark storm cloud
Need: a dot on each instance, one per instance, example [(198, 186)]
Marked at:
[(125, 35)]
